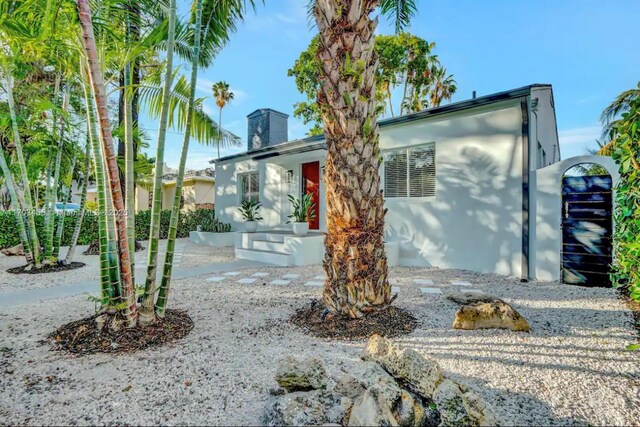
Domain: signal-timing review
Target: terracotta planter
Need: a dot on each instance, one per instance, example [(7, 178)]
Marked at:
[(300, 228)]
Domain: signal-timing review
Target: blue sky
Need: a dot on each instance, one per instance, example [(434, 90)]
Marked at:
[(584, 48)]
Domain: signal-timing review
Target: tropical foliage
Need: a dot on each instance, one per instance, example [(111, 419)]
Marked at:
[(63, 65), (302, 208), (407, 68), (189, 221), (626, 153), (250, 210)]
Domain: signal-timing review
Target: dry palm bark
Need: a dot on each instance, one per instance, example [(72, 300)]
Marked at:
[(355, 261), (97, 81)]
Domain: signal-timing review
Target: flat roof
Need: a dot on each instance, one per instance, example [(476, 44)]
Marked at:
[(317, 142)]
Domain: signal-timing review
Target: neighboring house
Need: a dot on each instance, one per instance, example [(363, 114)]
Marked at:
[(198, 191)]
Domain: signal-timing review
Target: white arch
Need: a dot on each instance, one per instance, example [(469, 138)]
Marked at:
[(606, 162), (545, 233)]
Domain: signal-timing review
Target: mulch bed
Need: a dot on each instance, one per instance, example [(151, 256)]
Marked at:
[(391, 321), (53, 268), (94, 248), (84, 337)]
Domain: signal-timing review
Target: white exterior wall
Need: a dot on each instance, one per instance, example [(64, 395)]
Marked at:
[(227, 196), (475, 220)]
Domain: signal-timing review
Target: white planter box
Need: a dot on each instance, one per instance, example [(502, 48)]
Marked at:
[(217, 240)]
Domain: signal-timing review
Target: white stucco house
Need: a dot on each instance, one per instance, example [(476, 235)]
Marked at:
[(460, 185)]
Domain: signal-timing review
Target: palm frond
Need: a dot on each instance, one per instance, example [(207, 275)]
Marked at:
[(204, 128), (399, 11)]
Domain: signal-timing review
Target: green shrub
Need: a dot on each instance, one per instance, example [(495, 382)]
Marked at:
[(626, 244), (188, 221)]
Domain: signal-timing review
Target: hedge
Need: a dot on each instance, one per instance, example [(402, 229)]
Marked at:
[(188, 221)]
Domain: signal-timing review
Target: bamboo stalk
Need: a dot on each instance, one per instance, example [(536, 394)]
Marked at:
[(165, 284), (148, 302)]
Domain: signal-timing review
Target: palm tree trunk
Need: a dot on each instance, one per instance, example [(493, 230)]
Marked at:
[(28, 204), (65, 196), (355, 261), (128, 156), (219, 131), (107, 288), (22, 230), (95, 73), (83, 198), (49, 244), (163, 294), (147, 313)]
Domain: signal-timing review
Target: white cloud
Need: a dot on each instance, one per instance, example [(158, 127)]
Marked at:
[(577, 141)]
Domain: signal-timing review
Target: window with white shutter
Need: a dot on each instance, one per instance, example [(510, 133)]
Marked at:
[(410, 172), (249, 184)]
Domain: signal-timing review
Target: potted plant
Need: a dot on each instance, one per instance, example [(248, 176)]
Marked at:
[(303, 212), (250, 210)]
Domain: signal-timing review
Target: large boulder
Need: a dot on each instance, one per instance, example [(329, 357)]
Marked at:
[(300, 408), (418, 373), (459, 406), (488, 315), (296, 374), (17, 250)]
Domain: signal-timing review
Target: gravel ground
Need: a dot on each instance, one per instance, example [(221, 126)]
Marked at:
[(571, 369), (192, 255)]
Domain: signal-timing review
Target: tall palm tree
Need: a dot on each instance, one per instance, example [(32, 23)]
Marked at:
[(220, 21), (222, 94), (443, 86), (355, 260), (100, 100)]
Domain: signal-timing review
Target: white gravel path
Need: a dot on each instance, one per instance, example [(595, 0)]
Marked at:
[(571, 369)]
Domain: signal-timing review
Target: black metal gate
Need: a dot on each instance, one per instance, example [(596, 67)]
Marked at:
[(586, 230)]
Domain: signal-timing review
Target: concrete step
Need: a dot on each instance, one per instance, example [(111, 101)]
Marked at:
[(274, 237), (270, 257), (267, 245)]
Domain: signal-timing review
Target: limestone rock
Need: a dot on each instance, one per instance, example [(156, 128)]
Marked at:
[(420, 374), (349, 386), (371, 410), (294, 374), (460, 408), (300, 408), (17, 250), (497, 314), (464, 298)]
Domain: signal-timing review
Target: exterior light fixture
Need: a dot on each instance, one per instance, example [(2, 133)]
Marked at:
[(289, 176)]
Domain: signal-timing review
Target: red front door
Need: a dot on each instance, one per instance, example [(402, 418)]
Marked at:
[(311, 185)]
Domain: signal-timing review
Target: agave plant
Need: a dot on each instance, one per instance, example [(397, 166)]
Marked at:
[(303, 208), (250, 210)]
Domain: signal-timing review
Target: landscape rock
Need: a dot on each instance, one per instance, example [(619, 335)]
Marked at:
[(460, 408), (497, 314), (295, 374), (420, 374), (465, 298), (371, 409), (300, 408), (17, 250), (349, 386)]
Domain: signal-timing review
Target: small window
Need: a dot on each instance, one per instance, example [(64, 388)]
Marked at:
[(250, 186), (410, 172)]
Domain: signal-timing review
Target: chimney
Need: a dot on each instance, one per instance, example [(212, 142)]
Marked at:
[(266, 127), (473, 95)]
